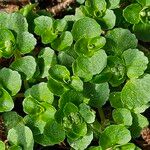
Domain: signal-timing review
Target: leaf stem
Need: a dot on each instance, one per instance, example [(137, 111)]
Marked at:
[(102, 115), (26, 85)]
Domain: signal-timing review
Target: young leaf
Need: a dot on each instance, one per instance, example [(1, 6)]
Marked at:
[(85, 67), (109, 19), (21, 135), (81, 143), (11, 80), (112, 135), (97, 93), (40, 92), (131, 13), (70, 108), (54, 132), (87, 113), (117, 69), (97, 5), (122, 116), (60, 73), (119, 40), (60, 25), (25, 42), (63, 42), (43, 28), (6, 101), (46, 59), (71, 96), (17, 22), (136, 92), (113, 4), (85, 27), (26, 66), (76, 83), (57, 88), (139, 122), (7, 41), (136, 62), (115, 100)]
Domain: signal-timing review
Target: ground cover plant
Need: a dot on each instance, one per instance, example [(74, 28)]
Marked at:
[(77, 79)]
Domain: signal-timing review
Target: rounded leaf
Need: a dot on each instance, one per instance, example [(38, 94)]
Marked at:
[(132, 13), (26, 66), (11, 80), (85, 27), (122, 116), (114, 135)]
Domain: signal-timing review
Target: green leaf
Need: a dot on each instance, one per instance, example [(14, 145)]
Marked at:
[(71, 96), (97, 93), (54, 132), (85, 67), (17, 22), (117, 69), (70, 108), (96, 5), (25, 42), (43, 28), (40, 92), (88, 46), (60, 73), (142, 31), (60, 25), (131, 13), (21, 135), (77, 131), (11, 80), (109, 19), (122, 116), (95, 148), (87, 113), (14, 147), (2, 145), (25, 11), (81, 67), (81, 143), (57, 88), (26, 66), (139, 122), (136, 62), (129, 146), (65, 59), (119, 40), (115, 100), (113, 4), (136, 92), (85, 27), (46, 59), (63, 42), (3, 19), (7, 41), (11, 119), (76, 83), (112, 135), (144, 2)]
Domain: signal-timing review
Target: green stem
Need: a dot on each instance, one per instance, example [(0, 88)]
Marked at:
[(20, 95), (102, 115), (17, 54), (26, 85)]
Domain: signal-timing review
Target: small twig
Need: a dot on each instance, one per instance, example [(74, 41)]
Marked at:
[(60, 7), (145, 133)]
